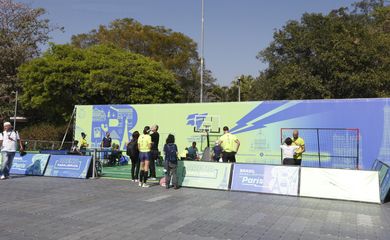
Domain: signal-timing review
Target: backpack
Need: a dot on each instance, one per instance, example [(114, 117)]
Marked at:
[(131, 149), (171, 153)]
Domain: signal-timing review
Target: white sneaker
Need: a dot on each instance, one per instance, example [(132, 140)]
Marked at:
[(145, 185), (136, 180), (140, 184), (2, 177), (132, 180)]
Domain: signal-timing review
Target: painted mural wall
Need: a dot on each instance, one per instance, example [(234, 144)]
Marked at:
[(257, 125)]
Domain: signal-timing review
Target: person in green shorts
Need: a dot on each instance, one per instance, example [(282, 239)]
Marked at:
[(298, 141)]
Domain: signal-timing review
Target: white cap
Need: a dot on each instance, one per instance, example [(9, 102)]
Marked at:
[(7, 124)]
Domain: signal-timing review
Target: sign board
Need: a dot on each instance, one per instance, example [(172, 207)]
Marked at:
[(354, 185), (71, 166), (265, 179), (30, 164), (210, 175)]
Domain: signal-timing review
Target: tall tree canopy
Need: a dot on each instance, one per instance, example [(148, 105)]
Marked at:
[(65, 76), (175, 50), (22, 30), (340, 55)]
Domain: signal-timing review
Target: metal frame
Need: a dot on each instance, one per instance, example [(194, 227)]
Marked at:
[(318, 141)]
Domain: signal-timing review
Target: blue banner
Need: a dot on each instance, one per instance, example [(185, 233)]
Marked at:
[(265, 179), (71, 166), (30, 164), (54, 152)]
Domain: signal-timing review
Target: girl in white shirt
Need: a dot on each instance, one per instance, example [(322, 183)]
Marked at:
[(288, 152)]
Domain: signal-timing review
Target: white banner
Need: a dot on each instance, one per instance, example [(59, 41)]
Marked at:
[(355, 185)]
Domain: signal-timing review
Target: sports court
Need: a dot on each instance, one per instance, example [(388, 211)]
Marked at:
[(59, 208)]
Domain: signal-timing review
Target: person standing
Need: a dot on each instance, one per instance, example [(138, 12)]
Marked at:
[(154, 152), (133, 152), (230, 145), (288, 152), (106, 144), (9, 140), (144, 146), (171, 155), (298, 141), (83, 143)]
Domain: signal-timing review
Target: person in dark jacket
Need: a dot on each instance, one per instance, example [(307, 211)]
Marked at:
[(133, 152), (170, 150)]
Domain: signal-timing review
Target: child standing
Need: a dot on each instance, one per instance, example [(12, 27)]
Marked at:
[(288, 152)]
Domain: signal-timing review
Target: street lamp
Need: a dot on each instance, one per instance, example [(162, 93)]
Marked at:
[(201, 54), (239, 89)]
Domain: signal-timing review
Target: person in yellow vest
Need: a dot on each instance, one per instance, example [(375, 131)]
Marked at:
[(298, 141), (83, 143), (144, 147), (229, 144)]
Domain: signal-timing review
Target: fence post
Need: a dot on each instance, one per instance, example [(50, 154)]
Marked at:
[(319, 150), (94, 163)]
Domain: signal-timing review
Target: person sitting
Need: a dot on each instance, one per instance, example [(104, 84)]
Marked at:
[(288, 152), (115, 155), (217, 152), (192, 152), (74, 149), (184, 154)]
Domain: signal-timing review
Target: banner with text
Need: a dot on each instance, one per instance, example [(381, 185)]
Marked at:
[(265, 179), (204, 174), (355, 185), (30, 164), (71, 166)]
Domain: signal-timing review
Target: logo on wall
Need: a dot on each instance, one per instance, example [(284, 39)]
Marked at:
[(119, 120)]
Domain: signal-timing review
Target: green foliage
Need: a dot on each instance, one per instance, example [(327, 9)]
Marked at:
[(66, 75), (175, 50), (339, 55), (22, 30), (46, 131)]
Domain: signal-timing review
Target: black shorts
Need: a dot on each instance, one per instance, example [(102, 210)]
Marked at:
[(229, 156)]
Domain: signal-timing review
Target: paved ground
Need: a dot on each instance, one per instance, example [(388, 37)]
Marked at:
[(54, 208)]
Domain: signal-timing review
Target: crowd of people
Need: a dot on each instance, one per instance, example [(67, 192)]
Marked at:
[(143, 152)]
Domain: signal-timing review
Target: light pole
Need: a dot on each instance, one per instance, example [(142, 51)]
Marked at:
[(239, 89), (201, 54)]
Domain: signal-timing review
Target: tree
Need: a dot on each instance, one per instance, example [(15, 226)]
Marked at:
[(65, 76), (22, 30), (175, 50), (340, 55)]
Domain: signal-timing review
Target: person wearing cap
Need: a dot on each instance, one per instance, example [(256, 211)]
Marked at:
[(229, 144), (9, 140)]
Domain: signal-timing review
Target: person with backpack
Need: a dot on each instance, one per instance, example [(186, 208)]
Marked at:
[(170, 150), (9, 141), (133, 153)]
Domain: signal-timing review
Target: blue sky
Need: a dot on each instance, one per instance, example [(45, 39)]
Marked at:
[(235, 30)]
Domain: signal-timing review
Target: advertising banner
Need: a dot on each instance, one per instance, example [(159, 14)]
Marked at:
[(71, 166), (210, 175), (256, 124), (30, 164), (354, 185), (265, 179)]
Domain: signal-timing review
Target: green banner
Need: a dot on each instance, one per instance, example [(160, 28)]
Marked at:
[(204, 174)]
